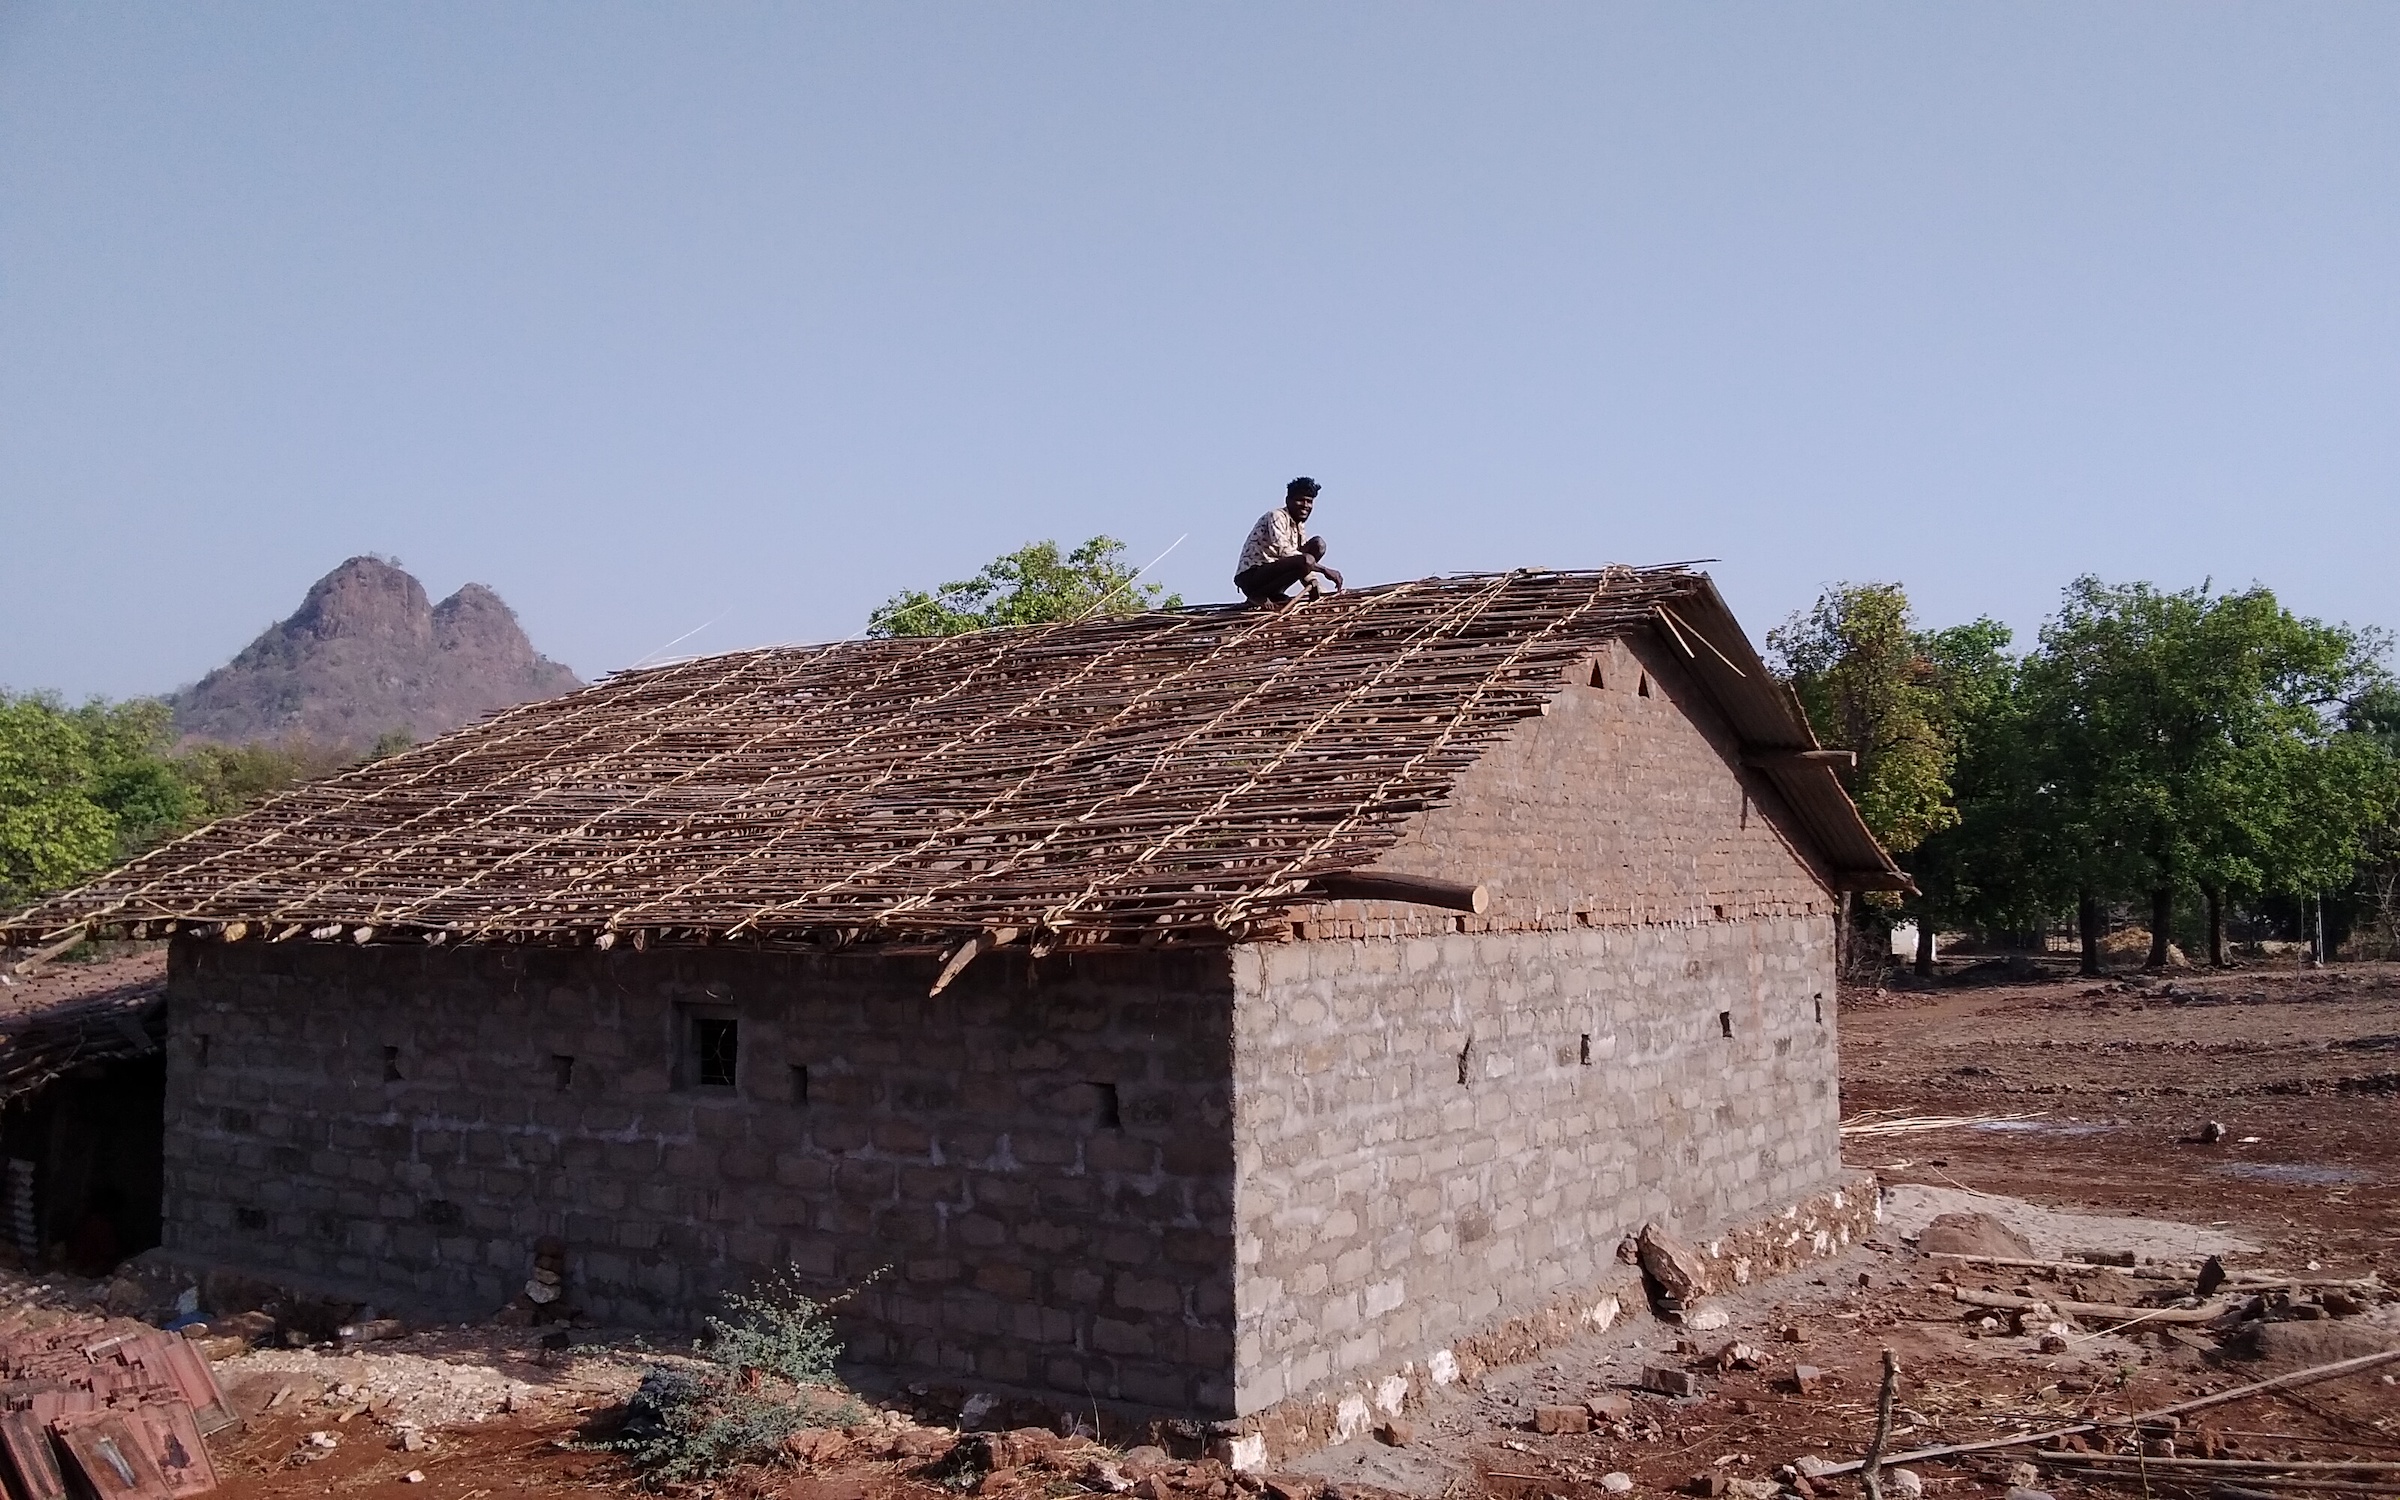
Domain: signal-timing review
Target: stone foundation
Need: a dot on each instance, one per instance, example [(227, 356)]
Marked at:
[(1820, 1227)]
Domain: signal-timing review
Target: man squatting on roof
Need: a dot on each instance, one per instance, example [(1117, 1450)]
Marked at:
[(1280, 552)]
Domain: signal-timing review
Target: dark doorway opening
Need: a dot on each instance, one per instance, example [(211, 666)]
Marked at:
[(95, 1138)]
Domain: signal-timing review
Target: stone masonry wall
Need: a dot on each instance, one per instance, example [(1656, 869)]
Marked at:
[(1435, 1135), (1044, 1166)]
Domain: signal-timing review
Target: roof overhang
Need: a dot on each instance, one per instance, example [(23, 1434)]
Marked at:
[(1777, 743)]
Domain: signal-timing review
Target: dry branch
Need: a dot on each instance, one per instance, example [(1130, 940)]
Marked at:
[(2009, 1302), (2290, 1381)]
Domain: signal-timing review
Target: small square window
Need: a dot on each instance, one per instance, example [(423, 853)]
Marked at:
[(715, 1044)]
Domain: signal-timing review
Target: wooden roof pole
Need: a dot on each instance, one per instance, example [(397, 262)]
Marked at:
[(1417, 890)]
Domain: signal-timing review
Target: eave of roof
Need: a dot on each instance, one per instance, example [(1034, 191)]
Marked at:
[(1769, 722)]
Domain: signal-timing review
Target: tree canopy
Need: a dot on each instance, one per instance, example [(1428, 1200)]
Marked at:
[(81, 788), (2153, 743), (87, 787), (1861, 671), (2194, 740), (1033, 585)]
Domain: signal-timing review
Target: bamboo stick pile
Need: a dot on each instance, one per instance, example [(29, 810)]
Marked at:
[(1155, 777)]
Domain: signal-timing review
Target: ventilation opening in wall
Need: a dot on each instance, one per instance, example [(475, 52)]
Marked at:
[(799, 1083), (1644, 688), (1466, 1061), (1725, 1022), (562, 1070), (249, 1218), (1596, 682), (1720, 911), (715, 1044), (1105, 1114), (1583, 1053), (391, 1065), (1820, 1010)]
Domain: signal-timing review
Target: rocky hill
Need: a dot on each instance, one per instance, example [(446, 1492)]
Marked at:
[(367, 654)]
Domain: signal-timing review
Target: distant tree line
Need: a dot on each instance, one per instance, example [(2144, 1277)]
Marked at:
[(84, 788), (2185, 755)]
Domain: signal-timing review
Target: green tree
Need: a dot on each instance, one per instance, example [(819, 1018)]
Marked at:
[(1860, 668), (224, 779), (141, 789), (81, 788), (1983, 869), (52, 829), (2375, 715), (84, 788), (1033, 585), (2188, 740)]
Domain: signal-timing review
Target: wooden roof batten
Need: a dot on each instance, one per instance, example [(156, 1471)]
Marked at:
[(1172, 776)]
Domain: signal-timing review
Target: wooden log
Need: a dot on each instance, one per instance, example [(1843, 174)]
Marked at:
[(2011, 1262), (1775, 760), (2296, 1378), (1872, 880), (965, 954), (2271, 1484), (2113, 1311), (1418, 890), (50, 951), (2269, 1465)]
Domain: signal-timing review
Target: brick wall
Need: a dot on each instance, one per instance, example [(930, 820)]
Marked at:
[(1623, 804), (1045, 1166), (1423, 1149)]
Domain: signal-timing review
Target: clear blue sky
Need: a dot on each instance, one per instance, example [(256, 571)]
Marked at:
[(650, 316)]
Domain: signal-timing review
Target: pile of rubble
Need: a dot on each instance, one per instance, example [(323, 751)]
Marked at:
[(108, 1408)]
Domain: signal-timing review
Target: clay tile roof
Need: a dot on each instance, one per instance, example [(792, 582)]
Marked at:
[(1160, 775)]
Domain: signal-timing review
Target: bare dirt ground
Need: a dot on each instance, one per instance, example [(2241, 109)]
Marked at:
[(2115, 1083), (2302, 1068)]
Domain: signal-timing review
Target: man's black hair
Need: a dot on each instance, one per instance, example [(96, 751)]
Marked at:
[(1302, 486)]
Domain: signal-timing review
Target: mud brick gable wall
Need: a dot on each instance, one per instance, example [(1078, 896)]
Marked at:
[(966, 1142)]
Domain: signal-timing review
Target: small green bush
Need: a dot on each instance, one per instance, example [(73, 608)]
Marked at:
[(776, 1329), (762, 1374)]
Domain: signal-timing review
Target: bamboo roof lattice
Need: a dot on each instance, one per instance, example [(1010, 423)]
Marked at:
[(1166, 775)]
